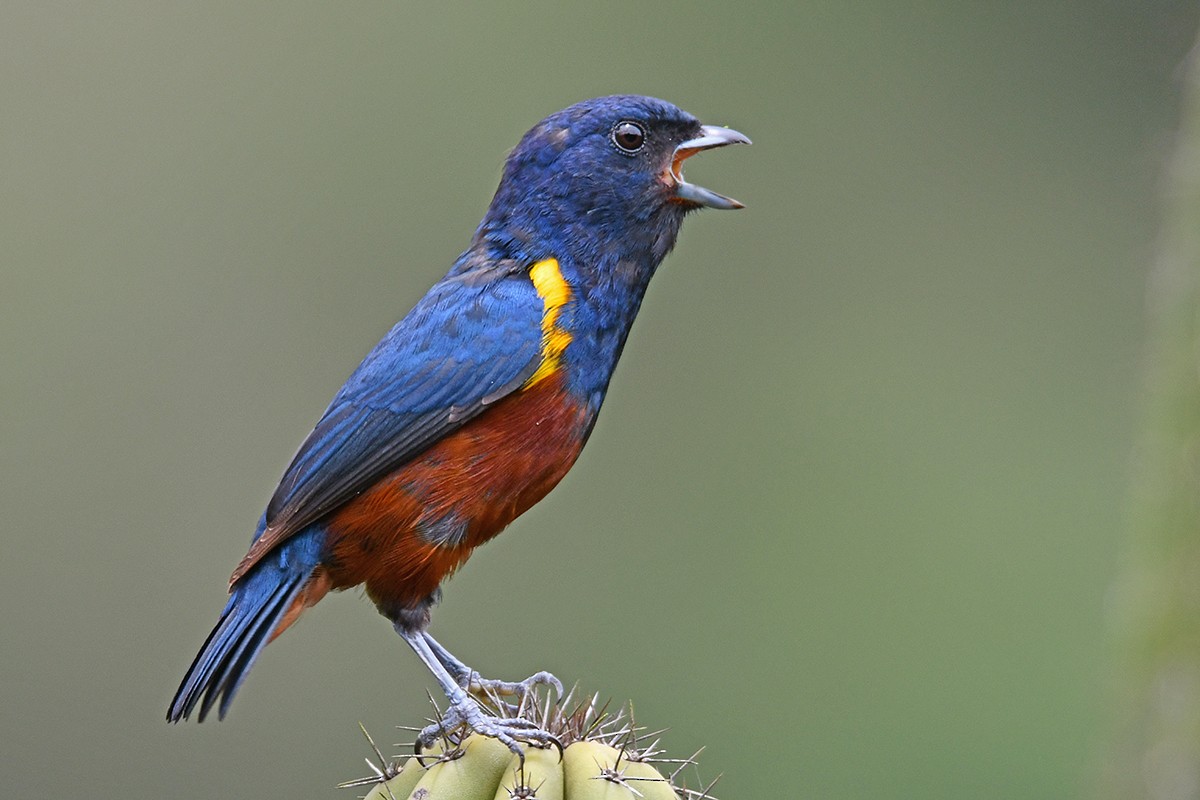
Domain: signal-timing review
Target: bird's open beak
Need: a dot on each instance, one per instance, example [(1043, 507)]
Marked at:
[(710, 136)]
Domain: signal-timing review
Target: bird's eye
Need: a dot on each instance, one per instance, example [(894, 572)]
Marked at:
[(628, 137)]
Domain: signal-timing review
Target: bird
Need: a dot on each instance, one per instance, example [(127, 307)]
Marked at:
[(473, 406)]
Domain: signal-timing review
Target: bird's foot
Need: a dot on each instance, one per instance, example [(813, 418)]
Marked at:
[(487, 687), (494, 693), (466, 716)]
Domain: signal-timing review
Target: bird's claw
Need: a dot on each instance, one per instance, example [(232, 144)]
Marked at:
[(465, 716), (478, 685)]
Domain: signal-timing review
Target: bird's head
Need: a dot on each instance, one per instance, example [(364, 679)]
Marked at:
[(604, 177)]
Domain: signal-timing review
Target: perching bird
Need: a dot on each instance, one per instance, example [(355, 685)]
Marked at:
[(476, 403)]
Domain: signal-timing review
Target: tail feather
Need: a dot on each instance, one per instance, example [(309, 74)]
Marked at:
[(258, 603), (262, 603)]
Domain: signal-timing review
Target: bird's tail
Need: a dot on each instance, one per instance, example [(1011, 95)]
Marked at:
[(261, 605)]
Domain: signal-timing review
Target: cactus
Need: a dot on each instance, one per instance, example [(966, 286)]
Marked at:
[(603, 756)]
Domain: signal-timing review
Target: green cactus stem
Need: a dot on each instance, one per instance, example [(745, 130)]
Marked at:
[(604, 756)]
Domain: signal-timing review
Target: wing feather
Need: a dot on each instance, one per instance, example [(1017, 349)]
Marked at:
[(465, 345)]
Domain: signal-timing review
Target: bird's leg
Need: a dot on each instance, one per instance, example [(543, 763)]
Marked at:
[(464, 711), (476, 684)]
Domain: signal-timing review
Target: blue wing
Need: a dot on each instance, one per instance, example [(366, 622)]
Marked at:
[(474, 338)]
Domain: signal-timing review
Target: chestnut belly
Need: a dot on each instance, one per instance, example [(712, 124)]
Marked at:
[(414, 527)]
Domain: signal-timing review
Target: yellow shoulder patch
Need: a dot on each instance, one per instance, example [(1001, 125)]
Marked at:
[(555, 292)]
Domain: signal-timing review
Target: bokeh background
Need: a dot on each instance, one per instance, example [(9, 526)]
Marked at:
[(851, 513)]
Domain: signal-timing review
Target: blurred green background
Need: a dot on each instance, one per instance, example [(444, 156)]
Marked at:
[(857, 496)]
